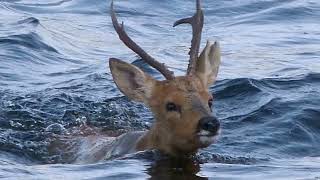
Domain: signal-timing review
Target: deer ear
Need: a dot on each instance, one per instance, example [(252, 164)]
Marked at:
[(131, 81), (207, 66)]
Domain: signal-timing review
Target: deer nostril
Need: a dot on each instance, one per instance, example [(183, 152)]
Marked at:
[(210, 124)]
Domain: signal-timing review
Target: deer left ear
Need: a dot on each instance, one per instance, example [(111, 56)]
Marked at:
[(207, 66), (131, 81)]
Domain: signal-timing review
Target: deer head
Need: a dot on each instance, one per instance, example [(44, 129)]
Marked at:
[(182, 106)]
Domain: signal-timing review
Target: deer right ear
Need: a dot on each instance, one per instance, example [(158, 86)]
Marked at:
[(131, 81), (207, 66)]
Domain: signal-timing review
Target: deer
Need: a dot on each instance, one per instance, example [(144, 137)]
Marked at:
[(181, 105)]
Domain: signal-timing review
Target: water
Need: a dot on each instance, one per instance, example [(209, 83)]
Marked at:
[(55, 79)]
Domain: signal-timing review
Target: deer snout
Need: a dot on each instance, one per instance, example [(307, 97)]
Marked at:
[(210, 124)]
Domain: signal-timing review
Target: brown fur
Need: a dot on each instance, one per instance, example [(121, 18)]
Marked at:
[(174, 132)]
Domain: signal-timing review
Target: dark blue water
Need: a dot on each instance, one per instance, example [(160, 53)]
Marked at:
[(54, 78)]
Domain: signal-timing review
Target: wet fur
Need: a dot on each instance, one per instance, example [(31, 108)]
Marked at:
[(174, 133)]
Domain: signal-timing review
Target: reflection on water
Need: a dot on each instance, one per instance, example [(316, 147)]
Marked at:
[(171, 168)]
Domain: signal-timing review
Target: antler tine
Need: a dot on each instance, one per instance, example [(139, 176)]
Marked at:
[(137, 49), (196, 22)]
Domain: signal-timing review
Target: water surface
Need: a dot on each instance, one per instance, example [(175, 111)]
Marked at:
[(54, 78)]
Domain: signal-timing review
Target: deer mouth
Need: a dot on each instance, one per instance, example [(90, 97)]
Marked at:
[(206, 137)]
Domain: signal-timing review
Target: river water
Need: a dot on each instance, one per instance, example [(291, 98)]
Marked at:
[(55, 79)]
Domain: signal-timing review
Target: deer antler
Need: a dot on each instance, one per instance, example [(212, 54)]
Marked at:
[(196, 22), (137, 49)]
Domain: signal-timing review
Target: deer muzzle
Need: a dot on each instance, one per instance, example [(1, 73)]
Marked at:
[(208, 130)]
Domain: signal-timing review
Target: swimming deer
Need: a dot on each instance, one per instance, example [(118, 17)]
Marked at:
[(181, 105)]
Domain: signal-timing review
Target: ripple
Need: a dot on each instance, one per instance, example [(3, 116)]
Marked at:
[(31, 40), (227, 159), (31, 20), (235, 87)]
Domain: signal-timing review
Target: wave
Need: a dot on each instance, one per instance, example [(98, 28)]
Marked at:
[(263, 114), (29, 41)]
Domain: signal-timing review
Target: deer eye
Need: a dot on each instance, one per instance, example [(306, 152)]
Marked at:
[(210, 101), (172, 107)]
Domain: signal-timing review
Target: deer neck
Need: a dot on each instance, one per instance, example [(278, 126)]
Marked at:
[(152, 139), (159, 138)]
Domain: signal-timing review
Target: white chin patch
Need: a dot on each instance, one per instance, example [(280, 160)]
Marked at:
[(206, 139)]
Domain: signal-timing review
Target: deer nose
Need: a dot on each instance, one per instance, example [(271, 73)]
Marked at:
[(210, 124)]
